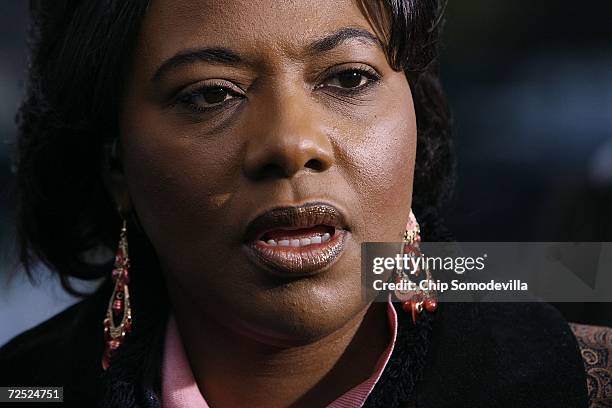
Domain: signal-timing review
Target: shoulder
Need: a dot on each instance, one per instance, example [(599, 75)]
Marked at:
[(46, 335), (595, 343), (62, 351), (503, 354)]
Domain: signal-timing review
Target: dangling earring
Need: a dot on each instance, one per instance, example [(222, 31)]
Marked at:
[(417, 299), (119, 304)]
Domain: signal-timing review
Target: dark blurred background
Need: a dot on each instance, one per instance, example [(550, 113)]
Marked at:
[(530, 84)]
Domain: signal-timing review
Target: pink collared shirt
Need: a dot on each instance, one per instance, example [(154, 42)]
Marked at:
[(180, 390)]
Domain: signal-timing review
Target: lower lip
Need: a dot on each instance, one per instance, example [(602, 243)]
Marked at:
[(287, 261)]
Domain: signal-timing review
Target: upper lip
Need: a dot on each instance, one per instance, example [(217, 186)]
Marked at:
[(294, 217)]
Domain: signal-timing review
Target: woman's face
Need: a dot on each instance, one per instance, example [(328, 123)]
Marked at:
[(236, 108)]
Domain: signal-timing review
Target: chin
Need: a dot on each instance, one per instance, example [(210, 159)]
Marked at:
[(302, 315)]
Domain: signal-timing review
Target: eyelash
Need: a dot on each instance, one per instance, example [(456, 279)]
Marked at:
[(186, 100), (372, 76)]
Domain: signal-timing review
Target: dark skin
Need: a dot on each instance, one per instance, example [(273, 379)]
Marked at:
[(208, 144)]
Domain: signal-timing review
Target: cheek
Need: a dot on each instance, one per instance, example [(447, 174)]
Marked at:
[(176, 178), (382, 170)]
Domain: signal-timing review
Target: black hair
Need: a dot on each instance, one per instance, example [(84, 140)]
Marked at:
[(80, 56)]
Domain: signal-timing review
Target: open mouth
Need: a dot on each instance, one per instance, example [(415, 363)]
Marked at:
[(300, 237), (297, 241)]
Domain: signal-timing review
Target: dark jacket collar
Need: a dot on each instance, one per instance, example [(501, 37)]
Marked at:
[(479, 355)]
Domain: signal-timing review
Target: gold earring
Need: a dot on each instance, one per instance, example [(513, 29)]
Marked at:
[(119, 304)]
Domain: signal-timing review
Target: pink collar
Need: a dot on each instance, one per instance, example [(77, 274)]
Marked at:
[(179, 388)]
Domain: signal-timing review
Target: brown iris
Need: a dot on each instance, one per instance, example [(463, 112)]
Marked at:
[(350, 79), (214, 95)]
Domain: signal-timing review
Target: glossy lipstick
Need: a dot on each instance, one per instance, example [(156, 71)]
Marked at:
[(297, 241)]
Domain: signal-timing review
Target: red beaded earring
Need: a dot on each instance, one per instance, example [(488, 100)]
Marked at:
[(414, 301), (119, 305)]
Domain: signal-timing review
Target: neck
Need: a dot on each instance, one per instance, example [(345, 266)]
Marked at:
[(234, 370)]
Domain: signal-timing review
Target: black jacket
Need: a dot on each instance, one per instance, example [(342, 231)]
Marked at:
[(478, 355)]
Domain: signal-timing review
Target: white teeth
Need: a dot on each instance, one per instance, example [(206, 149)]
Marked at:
[(315, 239)]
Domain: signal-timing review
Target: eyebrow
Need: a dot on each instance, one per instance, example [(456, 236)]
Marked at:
[(336, 38), (217, 55), (225, 56)]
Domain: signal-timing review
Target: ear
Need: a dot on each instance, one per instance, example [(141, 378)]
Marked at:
[(113, 177)]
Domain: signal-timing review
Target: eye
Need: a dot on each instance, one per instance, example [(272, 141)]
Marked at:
[(352, 79), (208, 97), (211, 95)]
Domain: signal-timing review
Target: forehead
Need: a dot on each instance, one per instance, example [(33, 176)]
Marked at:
[(250, 26)]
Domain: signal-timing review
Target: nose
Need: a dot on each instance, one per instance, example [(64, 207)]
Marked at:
[(287, 136)]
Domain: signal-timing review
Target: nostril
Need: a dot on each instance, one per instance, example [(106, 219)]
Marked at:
[(314, 164), (271, 170)]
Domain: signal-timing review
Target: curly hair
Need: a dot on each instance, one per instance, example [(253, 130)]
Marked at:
[(80, 56)]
